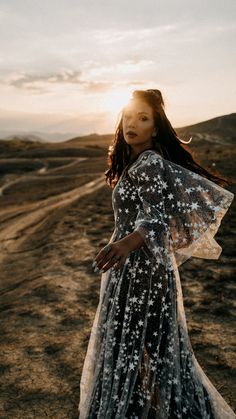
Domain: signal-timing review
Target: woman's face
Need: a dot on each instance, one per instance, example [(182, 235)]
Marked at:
[(138, 117)]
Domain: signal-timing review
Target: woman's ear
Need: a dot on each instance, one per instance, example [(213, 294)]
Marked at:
[(154, 134)]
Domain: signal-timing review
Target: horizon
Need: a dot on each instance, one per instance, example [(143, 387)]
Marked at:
[(64, 77), (60, 136)]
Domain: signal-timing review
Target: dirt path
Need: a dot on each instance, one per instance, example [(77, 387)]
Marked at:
[(46, 309), (43, 172), (15, 232)]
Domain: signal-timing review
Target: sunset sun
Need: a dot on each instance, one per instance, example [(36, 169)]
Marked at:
[(115, 100)]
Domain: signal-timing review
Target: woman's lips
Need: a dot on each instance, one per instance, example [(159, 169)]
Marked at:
[(131, 135)]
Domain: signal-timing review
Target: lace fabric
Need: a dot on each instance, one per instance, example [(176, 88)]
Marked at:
[(183, 207), (139, 362)]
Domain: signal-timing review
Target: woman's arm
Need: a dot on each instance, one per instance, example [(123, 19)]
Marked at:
[(133, 241)]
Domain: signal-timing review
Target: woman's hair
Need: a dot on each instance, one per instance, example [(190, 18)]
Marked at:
[(167, 143)]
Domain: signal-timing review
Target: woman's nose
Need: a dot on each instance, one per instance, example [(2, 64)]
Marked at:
[(131, 123)]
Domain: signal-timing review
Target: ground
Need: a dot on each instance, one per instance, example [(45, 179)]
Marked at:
[(49, 293)]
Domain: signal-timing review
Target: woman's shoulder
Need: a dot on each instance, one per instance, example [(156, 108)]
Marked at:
[(150, 152), (145, 157)]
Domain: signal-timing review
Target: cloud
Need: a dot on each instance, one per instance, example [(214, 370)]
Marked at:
[(129, 66), (41, 82), (111, 36), (35, 81), (87, 79)]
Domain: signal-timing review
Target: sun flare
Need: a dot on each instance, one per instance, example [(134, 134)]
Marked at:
[(115, 100)]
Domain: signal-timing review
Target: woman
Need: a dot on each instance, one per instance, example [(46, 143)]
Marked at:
[(140, 363)]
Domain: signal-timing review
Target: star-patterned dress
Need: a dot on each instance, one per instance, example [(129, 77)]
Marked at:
[(139, 362)]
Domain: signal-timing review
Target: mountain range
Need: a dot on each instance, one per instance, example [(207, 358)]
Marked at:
[(218, 129)]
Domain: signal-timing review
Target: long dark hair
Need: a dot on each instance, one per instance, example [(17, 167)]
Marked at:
[(167, 143)]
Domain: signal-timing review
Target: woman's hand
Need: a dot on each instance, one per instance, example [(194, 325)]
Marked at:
[(116, 256), (117, 252)]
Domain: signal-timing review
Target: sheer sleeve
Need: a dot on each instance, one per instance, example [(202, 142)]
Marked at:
[(180, 211)]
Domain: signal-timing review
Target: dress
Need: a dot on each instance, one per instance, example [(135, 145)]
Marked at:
[(139, 362)]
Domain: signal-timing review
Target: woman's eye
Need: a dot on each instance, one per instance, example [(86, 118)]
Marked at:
[(143, 118)]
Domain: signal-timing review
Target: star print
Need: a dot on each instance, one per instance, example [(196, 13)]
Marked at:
[(164, 185), (131, 366), (152, 233), (194, 205), (121, 190)]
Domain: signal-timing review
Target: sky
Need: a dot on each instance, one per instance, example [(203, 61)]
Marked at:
[(71, 65)]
